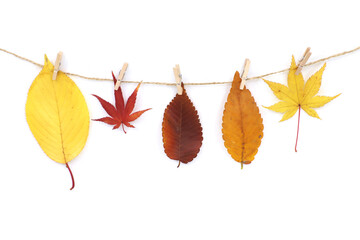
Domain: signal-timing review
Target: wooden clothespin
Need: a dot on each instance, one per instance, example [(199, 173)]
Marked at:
[(244, 73), (303, 61), (178, 79), (121, 76), (57, 65)]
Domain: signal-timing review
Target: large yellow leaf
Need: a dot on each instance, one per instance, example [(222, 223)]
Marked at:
[(57, 115), (242, 125)]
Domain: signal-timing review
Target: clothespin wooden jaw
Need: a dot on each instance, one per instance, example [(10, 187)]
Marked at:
[(57, 65), (121, 76), (303, 61), (178, 79), (244, 73)]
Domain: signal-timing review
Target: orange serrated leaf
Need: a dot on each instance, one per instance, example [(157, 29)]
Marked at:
[(242, 125), (181, 129)]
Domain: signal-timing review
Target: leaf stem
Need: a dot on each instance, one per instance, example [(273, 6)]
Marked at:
[(123, 128), (297, 134), (72, 177)]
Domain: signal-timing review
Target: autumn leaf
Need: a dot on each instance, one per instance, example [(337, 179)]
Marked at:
[(120, 114), (181, 129), (57, 115), (242, 125), (298, 95)]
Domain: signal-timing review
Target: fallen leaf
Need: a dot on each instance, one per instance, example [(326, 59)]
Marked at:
[(242, 125), (120, 114), (298, 95), (57, 115), (181, 129)]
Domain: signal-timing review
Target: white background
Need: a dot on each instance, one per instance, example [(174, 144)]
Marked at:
[(126, 187)]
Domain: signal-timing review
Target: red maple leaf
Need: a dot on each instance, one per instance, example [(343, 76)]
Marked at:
[(120, 114)]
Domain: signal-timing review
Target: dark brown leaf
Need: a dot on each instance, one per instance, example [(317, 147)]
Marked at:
[(181, 129)]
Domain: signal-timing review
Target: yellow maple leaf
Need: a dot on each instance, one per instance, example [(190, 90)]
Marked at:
[(298, 95)]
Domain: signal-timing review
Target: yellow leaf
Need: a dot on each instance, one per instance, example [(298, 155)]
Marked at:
[(57, 115), (298, 94), (242, 124)]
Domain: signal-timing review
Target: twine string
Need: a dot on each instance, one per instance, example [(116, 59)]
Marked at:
[(174, 84)]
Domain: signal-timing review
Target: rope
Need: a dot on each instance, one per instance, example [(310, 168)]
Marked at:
[(173, 84)]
